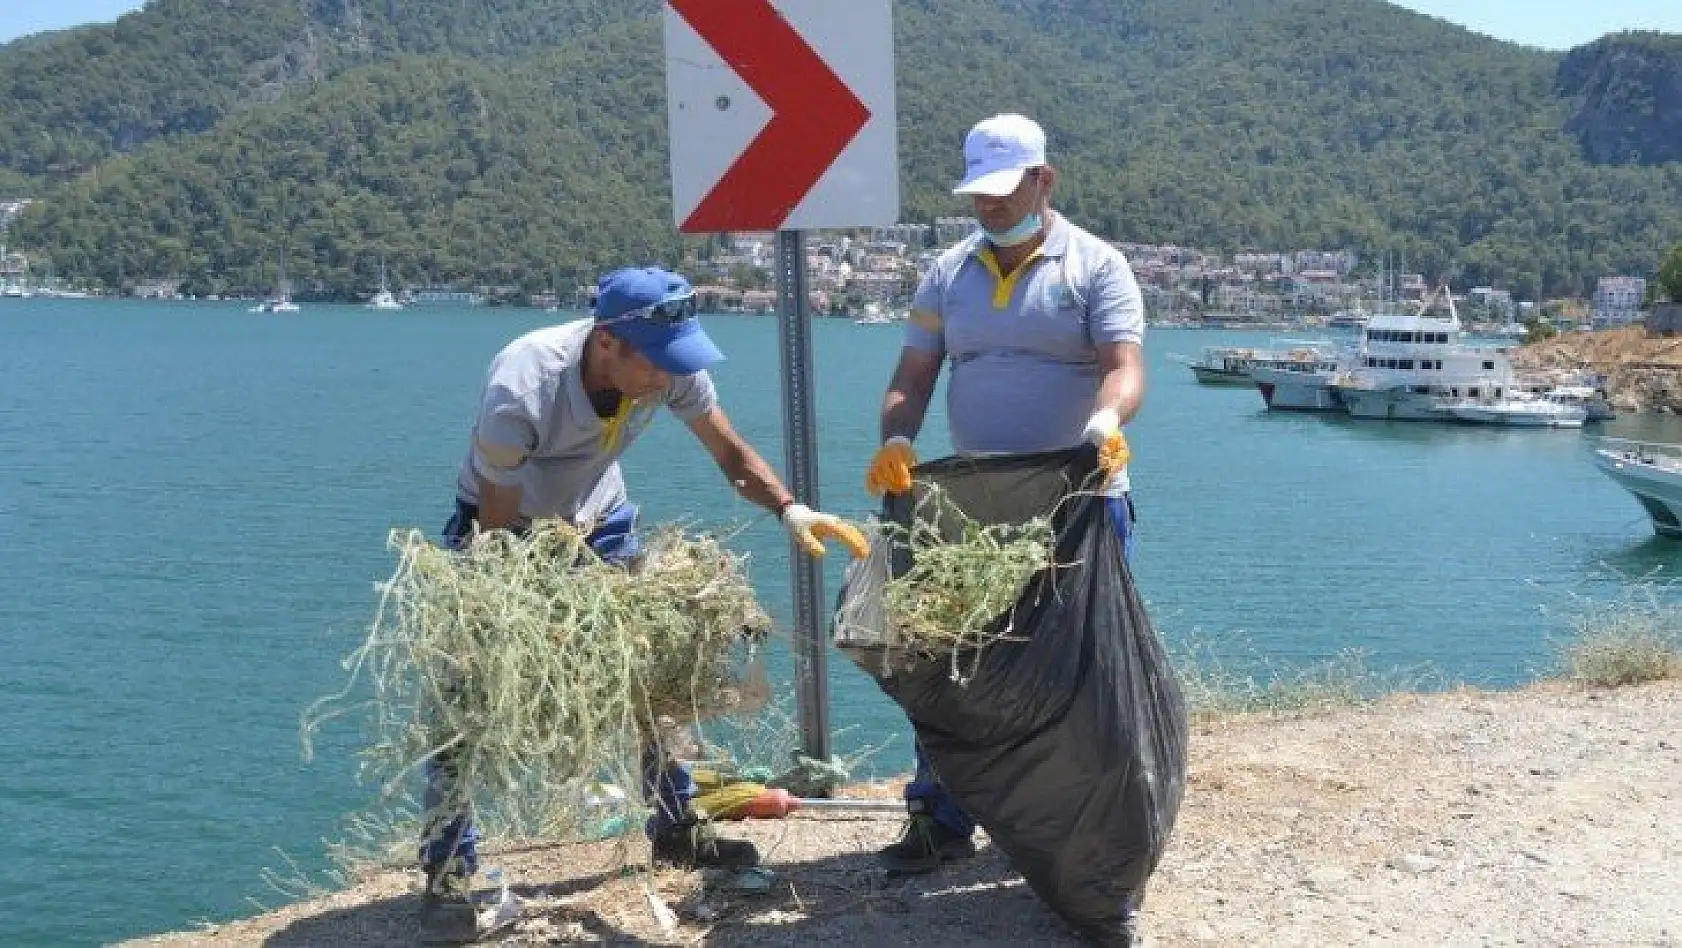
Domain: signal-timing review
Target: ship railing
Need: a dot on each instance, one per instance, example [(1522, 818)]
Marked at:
[(1640, 450)]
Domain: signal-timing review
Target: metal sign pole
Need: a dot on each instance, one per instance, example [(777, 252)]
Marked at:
[(794, 332)]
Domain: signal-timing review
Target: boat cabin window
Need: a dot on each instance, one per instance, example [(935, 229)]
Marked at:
[(1396, 335), (1404, 364), (1471, 393), (1420, 389), (1488, 366)]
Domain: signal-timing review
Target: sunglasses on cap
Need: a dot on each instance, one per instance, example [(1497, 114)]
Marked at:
[(669, 313)]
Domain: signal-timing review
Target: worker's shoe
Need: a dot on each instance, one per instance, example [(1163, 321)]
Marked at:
[(926, 844), (694, 844), (448, 916)]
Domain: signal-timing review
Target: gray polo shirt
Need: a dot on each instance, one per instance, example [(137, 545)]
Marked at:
[(1025, 372), (537, 429)]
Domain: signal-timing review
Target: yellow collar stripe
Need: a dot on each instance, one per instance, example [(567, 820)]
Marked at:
[(1005, 284), (614, 427)]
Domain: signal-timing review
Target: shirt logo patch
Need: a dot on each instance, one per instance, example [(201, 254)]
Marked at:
[(1060, 295)]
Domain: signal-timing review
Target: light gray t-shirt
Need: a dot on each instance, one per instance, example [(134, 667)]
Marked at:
[(1025, 369), (537, 429)]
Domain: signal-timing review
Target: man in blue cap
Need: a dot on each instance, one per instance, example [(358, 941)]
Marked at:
[(559, 407)]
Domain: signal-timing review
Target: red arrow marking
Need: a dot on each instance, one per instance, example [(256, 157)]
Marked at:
[(814, 116)]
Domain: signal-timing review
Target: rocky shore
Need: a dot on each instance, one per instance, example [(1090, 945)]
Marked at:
[(1643, 373)]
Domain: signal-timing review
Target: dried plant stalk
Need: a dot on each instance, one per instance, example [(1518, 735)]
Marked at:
[(964, 575), (528, 658)]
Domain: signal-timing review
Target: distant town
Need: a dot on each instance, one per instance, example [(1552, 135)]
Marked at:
[(1182, 286), (872, 275)]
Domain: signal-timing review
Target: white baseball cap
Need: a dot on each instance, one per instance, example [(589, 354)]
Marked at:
[(996, 153)]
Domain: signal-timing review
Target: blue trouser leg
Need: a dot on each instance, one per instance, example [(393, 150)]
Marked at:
[(449, 840), (448, 832), (668, 786), (924, 794)]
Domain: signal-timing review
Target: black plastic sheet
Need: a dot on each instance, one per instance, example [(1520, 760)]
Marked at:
[(1068, 741)]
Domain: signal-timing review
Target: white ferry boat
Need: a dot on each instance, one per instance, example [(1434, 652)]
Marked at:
[(1225, 365), (1231, 365), (1416, 367), (1303, 381)]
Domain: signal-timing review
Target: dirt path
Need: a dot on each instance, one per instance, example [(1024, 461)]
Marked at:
[(1543, 817)]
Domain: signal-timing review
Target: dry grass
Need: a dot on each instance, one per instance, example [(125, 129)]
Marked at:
[(1221, 683), (540, 669), (1631, 641), (964, 574)]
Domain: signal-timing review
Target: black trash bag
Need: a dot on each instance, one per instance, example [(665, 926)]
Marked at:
[(1068, 741)]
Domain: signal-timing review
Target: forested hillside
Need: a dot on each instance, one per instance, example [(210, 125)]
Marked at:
[(523, 140)]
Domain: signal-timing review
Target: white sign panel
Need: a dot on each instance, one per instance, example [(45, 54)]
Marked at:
[(781, 114)]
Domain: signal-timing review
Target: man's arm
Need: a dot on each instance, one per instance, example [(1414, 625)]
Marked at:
[(1123, 387), (752, 477), (755, 480), (499, 506), (907, 399)]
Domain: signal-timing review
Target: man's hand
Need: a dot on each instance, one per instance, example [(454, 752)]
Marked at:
[(808, 527), (1103, 431), (890, 470)]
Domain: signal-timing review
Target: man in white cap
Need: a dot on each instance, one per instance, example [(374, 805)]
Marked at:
[(559, 407), (1043, 324)]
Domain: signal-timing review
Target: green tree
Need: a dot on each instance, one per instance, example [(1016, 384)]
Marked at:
[(1669, 283), (748, 277)]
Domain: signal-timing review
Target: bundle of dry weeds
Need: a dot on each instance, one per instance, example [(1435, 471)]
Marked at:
[(963, 576), (529, 658)]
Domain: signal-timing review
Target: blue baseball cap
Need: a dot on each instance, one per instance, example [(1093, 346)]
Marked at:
[(654, 311)]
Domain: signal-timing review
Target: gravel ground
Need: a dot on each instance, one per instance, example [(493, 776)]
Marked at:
[(1548, 816)]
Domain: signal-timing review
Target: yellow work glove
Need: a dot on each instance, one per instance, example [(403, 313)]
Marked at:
[(809, 528), (890, 471), (1103, 431)]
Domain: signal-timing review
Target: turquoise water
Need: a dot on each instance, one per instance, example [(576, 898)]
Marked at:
[(194, 501)]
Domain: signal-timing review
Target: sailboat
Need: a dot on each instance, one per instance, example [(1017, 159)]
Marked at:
[(281, 301), (384, 299)]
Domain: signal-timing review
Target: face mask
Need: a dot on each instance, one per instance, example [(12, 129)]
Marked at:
[(1023, 232)]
